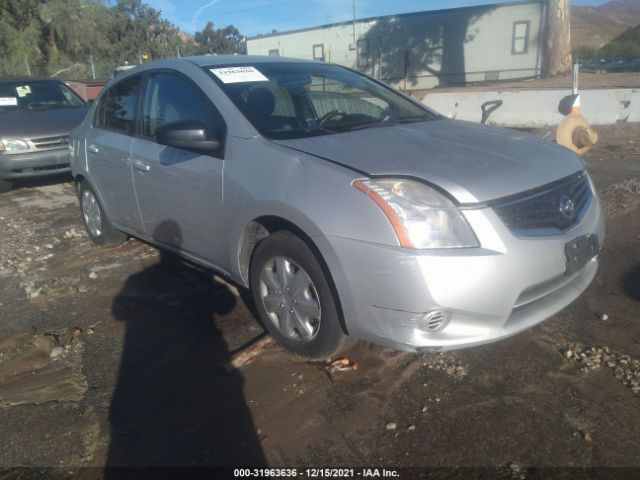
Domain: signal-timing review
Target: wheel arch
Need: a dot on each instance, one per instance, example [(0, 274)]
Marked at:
[(260, 228), (78, 178)]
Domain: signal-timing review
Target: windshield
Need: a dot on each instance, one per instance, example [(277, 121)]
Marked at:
[(295, 100), (36, 95)]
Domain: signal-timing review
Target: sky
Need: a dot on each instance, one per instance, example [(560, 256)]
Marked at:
[(252, 17)]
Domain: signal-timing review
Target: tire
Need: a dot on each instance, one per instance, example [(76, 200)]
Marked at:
[(5, 185), (283, 259), (95, 220)]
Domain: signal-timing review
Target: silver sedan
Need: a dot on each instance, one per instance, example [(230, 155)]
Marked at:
[(348, 209)]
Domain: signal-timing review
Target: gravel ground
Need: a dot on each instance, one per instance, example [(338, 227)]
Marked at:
[(111, 357)]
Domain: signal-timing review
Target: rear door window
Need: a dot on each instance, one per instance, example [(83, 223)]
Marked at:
[(117, 109)]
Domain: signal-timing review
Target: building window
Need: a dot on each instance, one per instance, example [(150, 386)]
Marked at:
[(318, 52), (363, 53), (520, 40), (274, 53)]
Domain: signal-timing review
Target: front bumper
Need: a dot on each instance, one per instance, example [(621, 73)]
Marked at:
[(34, 164), (489, 293)]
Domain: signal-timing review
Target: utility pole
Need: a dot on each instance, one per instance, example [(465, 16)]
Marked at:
[(557, 45), (93, 70), (353, 4), (26, 60)]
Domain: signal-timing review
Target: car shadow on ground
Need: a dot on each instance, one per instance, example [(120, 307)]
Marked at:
[(176, 402)]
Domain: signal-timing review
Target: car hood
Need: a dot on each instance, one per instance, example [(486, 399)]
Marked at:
[(41, 123), (473, 162)]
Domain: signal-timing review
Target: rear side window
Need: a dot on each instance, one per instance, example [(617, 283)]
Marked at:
[(171, 98), (118, 106)]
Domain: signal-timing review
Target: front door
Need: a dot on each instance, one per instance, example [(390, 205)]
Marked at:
[(108, 147), (179, 191)]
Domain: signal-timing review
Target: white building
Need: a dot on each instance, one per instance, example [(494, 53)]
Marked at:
[(426, 49)]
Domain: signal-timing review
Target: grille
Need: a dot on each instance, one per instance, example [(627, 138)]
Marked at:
[(51, 142), (554, 208)]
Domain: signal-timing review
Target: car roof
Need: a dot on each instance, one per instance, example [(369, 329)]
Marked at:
[(27, 79), (205, 61), (213, 60)]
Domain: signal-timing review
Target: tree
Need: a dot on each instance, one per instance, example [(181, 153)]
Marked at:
[(53, 35), (557, 58), (221, 40)]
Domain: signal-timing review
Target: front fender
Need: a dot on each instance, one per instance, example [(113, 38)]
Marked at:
[(265, 179)]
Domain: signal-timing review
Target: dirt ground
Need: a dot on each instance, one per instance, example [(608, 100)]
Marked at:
[(116, 357)]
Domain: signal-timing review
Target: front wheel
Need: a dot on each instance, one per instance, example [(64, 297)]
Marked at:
[(95, 220), (294, 299)]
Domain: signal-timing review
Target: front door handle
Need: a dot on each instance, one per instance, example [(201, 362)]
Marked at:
[(93, 149), (140, 165)]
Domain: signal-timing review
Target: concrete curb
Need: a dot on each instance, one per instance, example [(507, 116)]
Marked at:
[(536, 108)]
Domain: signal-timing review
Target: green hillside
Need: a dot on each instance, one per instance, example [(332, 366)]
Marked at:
[(624, 45)]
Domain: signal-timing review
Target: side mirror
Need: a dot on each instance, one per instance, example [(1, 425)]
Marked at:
[(188, 135)]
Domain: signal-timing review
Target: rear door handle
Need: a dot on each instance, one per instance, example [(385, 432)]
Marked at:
[(93, 149), (140, 165)]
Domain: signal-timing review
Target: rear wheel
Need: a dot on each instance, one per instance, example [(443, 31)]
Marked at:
[(95, 220), (5, 185), (294, 299)]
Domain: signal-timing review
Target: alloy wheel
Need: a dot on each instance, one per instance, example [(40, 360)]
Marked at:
[(91, 213)]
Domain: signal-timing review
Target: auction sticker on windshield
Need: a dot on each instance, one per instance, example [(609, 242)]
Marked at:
[(23, 91), (8, 101), (239, 74)]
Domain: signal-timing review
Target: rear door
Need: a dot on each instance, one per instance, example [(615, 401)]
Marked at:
[(179, 191), (108, 148)]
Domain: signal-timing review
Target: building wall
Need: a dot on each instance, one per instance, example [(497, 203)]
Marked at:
[(430, 48)]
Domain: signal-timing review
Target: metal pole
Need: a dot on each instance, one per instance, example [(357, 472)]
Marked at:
[(28, 67), (178, 50), (139, 57), (576, 71), (406, 68), (93, 70), (353, 3)]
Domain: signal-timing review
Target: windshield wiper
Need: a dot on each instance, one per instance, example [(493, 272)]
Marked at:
[(367, 125), (319, 129), (404, 119), (388, 120)]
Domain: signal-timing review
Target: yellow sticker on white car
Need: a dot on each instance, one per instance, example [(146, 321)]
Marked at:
[(8, 101), (239, 74)]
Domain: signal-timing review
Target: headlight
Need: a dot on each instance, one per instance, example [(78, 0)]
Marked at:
[(13, 144), (421, 216)]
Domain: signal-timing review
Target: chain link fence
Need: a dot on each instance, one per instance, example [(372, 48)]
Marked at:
[(90, 68)]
